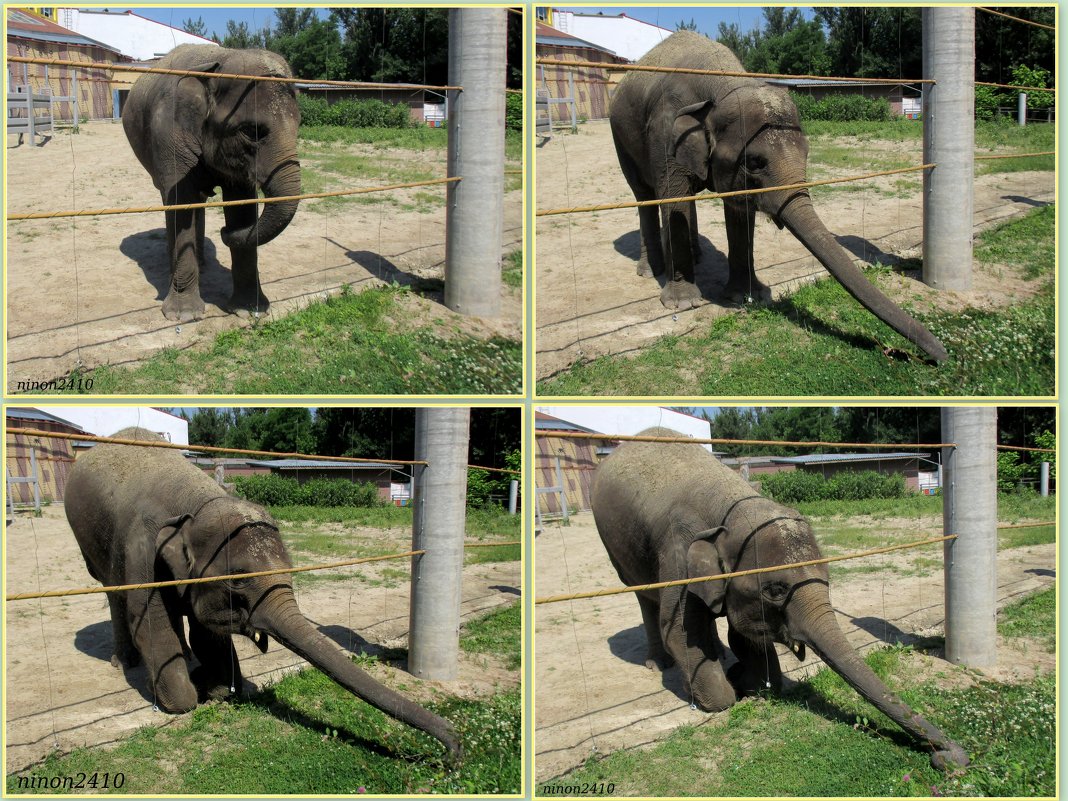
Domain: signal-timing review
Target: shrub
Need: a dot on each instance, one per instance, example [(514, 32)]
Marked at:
[(315, 111), (274, 490), (843, 108), (513, 114), (800, 486)]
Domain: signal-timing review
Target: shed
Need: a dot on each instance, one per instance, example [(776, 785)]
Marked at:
[(35, 36), (625, 36), (134, 36), (424, 105), (904, 98), (907, 464), (391, 480), (591, 85), (569, 463), (53, 457)]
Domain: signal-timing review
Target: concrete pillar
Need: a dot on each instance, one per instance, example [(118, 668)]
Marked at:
[(970, 511), (1043, 479), (949, 142), (438, 521), (1021, 109), (513, 496), (474, 221)]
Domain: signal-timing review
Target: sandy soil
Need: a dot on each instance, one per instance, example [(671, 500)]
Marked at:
[(590, 301), (62, 692), (593, 693), (88, 292)]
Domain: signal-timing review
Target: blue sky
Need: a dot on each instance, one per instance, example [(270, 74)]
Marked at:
[(706, 17), (215, 17)]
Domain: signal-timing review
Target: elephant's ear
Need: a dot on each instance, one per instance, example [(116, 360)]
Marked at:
[(691, 141), (173, 549), (703, 559)]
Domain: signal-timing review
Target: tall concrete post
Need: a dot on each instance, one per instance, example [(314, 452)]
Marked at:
[(970, 510), (474, 216), (1043, 479), (441, 439), (949, 142)]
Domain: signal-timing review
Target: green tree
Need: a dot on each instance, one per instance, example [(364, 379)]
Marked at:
[(733, 423), (240, 36), (409, 45), (197, 27), (873, 42), (208, 426), (1001, 44), (682, 25), (737, 42), (313, 51), (1023, 75)]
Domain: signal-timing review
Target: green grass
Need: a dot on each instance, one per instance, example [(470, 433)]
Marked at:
[(352, 343), (823, 739), (307, 735), (1034, 616), (496, 633), (512, 270), (819, 341)]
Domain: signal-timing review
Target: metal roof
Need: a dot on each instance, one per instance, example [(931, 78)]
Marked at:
[(546, 422), (25, 24), (23, 413), (829, 458), (297, 464)]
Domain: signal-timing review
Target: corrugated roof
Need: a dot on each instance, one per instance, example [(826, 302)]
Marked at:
[(296, 464), (829, 458), (546, 422), (548, 35), (23, 413), (25, 24)]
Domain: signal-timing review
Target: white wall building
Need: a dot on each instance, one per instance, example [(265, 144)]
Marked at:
[(629, 420), (138, 37), (625, 36), (103, 421)]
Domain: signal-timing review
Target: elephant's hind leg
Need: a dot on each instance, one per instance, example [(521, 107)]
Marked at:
[(124, 653), (657, 658), (219, 673)]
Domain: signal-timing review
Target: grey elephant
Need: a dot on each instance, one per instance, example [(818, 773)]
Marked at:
[(194, 134), (679, 134), (668, 511), (144, 514)]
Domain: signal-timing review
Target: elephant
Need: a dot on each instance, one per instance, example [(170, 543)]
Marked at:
[(670, 511), (143, 514), (677, 134), (193, 134)]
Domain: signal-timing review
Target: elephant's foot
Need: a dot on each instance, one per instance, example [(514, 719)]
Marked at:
[(747, 682), (647, 269), (680, 295), (754, 292), (659, 662), (125, 659), (211, 687), (710, 689), (183, 307), (248, 304)]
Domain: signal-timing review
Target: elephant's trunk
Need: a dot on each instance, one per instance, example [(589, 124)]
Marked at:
[(814, 622), (801, 218), (280, 617), (283, 181)]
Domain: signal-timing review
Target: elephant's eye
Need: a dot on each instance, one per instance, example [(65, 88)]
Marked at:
[(253, 131), (776, 591), (755, 163)]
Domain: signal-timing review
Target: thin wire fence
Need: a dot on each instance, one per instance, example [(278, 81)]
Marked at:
[(1016, 19)]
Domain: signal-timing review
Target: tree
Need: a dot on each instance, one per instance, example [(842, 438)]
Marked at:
[(873, 42), (1002, 44), (737, 42), (240, 36), (313, 51), (409, 45), (733, 423), (208, 426), (197, 27), (682, 25)]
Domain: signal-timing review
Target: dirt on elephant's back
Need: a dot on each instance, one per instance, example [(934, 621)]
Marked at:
[(595, 695), (591, 302)]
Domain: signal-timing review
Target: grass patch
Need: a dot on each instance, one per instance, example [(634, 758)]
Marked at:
[(1027, 243), (512, 270), (307, 735), (497, 634), (1034, 616), (822, 739), (819, 341), (352, 343)]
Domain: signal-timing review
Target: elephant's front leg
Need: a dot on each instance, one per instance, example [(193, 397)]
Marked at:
[(247, 295), (162, 649), (183, 303), (689, 634), (757, 668), (680, 288), (219, 673), (742, 283), (656, 657), (124, 653)]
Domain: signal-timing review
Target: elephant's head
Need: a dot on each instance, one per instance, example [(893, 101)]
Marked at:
[(750, 138), (249, 136), (229, 536), (793, 607)]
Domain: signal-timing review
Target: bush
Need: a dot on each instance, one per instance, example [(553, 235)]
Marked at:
[(316, 111), (274, 490), (843, 108), (513, 114), (799, 486)]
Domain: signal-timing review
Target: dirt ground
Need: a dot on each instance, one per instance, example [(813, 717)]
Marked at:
[(590, 301), (88, 291), (593, 693), (62, 692)]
